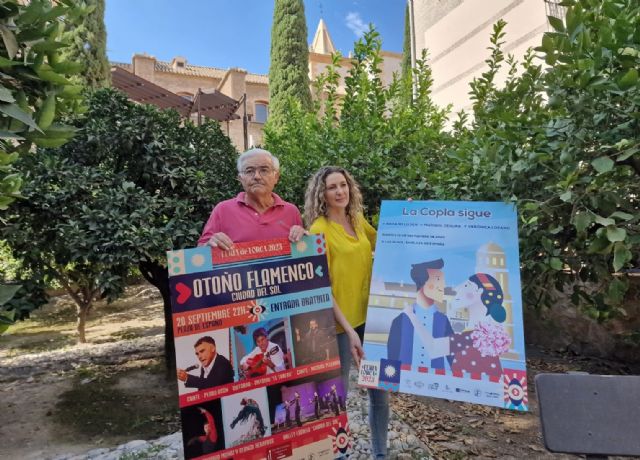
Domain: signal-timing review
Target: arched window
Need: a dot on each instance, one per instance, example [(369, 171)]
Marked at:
[(262, 112)]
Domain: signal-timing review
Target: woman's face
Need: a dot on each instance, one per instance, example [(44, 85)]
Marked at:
[(467, 294), (336, 193)]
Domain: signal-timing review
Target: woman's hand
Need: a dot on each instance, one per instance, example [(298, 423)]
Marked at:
[(355, 346)]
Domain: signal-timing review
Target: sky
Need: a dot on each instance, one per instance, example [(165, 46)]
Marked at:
[(236, 33)]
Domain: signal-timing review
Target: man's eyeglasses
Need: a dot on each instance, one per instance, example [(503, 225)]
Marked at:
[(262, 171)]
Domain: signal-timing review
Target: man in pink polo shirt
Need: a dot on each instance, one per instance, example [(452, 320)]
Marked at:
[(257, 213)]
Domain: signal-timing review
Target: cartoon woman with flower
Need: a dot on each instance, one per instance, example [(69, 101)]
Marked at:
[(478, 349), (475, 350)]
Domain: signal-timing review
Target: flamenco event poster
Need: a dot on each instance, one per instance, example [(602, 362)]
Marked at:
[(257, 359), (445, 310)]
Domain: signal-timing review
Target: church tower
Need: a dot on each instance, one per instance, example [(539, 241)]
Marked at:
[(322, 43)]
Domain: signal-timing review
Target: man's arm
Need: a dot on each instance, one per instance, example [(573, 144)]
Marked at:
[(396, 348), (193, 381), (278, 360), (212, 233), (212, 226), (228, 371)]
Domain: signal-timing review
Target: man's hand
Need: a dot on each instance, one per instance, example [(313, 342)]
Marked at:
[(182, 375), (296, 233), (220, 240), (269, 363)]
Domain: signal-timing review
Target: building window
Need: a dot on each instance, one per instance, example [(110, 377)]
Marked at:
[(262, 112), (556, 9)]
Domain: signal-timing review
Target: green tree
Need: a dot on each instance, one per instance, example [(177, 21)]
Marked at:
[(34, 90), (395, 150), (406, 45), (88, 45), (562, 142), (289, 67), (134, 183), (35, 94)]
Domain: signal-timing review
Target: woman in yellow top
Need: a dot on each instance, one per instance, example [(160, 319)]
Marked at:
[(333, 206)]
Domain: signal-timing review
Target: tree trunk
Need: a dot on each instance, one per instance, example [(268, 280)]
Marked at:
[(83, 313), (157, 275)]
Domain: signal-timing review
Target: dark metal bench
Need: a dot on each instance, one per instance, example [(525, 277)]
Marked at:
[(592, 415)]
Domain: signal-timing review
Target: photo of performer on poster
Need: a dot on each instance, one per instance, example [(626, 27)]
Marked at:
[(297, 402), (314, 337), (245, 417), (268, 345), (210, 366), (202, 429)]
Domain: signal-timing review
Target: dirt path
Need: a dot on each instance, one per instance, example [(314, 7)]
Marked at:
[(61, 398)]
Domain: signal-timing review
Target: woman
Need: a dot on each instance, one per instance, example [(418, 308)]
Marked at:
[(333, 206), (477, 349)]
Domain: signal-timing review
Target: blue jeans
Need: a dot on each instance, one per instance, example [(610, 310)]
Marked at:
[(378, 400)]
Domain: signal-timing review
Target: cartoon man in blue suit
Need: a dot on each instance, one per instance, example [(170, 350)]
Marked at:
[(412, 333)]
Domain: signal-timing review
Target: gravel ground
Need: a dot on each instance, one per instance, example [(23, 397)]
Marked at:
[(403, 442)]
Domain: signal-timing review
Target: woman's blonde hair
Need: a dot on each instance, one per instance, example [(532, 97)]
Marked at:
[(315, 204)]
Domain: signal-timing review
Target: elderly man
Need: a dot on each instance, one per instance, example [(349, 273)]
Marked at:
[(257, 213)]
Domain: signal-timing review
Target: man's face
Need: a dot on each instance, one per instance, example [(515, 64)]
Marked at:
[(313, 325), (262, 343), (258, 177), (205, 353), (434, 287)]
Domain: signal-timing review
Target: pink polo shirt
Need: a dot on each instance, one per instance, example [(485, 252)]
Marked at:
[(241, 222)]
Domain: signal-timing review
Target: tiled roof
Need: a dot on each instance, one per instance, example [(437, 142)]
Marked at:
[(123, 65), (193, 70), (196, 71), (256, 78)]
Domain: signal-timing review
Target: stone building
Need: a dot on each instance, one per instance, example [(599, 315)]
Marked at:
[(456, 34), (185, 79)]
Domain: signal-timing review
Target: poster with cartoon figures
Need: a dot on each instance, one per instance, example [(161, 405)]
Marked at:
[(257, 359), (445, 310)]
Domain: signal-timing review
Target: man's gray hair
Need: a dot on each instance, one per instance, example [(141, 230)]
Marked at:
[(252, 152)]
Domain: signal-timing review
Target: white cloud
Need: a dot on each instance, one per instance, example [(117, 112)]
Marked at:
[(356, 24)]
